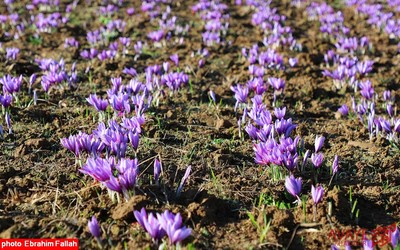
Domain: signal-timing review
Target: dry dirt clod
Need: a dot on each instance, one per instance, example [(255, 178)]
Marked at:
[(124, 210)]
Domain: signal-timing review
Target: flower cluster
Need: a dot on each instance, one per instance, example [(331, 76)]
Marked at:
[(116, 176), (159, 225), (216, 20), (55, 73)]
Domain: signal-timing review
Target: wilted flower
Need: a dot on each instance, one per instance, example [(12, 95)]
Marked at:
[(293, 185)]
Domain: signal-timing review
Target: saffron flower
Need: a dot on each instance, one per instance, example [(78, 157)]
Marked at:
[(212, 96), (172, 224), (344, 110), (317, 159), (335, 165), (12, 53), (280, 112), (319, 142), (395, 237), (157, 169), (5, 100), (150, 224), (94, 227), (368, 244), (317, 193), (293, 185), (71, 143), (183, 181), (159, 225), (175, 59), (99, 104)]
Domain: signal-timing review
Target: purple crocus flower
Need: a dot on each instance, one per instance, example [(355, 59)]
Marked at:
[(98, 168), (130, 71), (241, 93), (317, 193), (293, 62), (183, 181), (335, 165), (12, 53), (306, 155), (212, 96), (344, 110), (113, 184), (367, 91), (130, 11), (99, 104), (134, 138), (120, 103), (71, 143), (172, 224), (252, 131), (32, 80), (389, 109), (368, 244), (11, 84), (317, 159), (5, 100), (387, 96), (94, 227), (277, 83), (157, 169), (293, 185), (201, 63), (395, 237), (175, 59), (280, 112), (319, 142), (150, 224), (156, 36)]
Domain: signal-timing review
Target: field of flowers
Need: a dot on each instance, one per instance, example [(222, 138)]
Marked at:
[(201, 124)]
